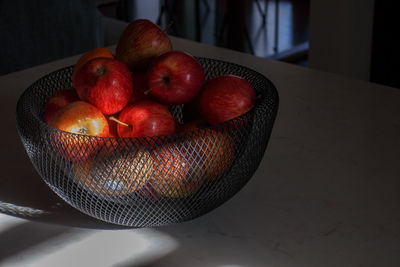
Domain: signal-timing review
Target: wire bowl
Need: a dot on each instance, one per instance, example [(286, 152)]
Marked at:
[(151, 181)]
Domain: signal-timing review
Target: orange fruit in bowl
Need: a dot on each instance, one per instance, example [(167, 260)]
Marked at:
[(181, 168), (89, 55), (172, 174), (211, 151), (115, 176)]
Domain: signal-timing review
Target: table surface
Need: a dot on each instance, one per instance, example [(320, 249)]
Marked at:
[(327, 192)]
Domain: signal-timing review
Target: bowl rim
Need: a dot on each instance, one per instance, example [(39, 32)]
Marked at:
[(224, 126)]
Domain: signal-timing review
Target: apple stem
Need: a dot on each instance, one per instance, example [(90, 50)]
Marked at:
[(151, 88), (168, 26), (147, 91), (118, 121)]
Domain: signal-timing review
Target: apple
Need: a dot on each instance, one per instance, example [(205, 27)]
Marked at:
[(172, 171), (226, 97), (210, 152), (140, 43), (93, 53), (116, 176), (175, 78), (145, 118), (105, 83), (140, 88), (80, 118), (58, 100)]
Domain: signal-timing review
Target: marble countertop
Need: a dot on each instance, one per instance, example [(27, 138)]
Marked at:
[(327, 192)]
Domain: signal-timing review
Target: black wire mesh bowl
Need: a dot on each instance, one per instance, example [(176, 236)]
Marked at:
[(152, 181)]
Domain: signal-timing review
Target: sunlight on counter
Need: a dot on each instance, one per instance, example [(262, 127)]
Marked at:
[(37, 244)]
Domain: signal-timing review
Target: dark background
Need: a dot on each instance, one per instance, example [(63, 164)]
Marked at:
[(385, 59), (38, 31)]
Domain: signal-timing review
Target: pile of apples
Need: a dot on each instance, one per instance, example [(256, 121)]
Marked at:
[(129, 94)]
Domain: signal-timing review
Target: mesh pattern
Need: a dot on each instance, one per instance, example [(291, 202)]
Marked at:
[(152, 181)]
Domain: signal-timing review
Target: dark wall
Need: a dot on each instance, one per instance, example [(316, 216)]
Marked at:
[(385, 60), (39, 31)]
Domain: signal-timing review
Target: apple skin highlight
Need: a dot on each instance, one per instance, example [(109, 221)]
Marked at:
[(226, 97), (146, 119), (105, 83), (175, 78), (141, 42), (78, 120)]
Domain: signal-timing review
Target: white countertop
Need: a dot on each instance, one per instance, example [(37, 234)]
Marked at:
[(327, 192)]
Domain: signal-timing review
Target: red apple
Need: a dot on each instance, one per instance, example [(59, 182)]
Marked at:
[(146, 118), (226, 97), (175, 78), (105, 83), (81, 118), (140, 43), (88, 55), (139, 87), (58, 100)]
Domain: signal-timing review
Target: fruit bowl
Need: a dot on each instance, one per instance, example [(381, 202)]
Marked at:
[(149, 181)]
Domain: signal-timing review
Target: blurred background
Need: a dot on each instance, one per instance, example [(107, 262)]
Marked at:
[(357, 38), (277, 29)]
